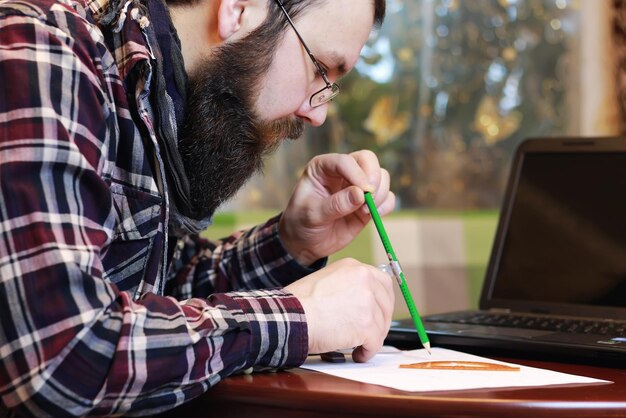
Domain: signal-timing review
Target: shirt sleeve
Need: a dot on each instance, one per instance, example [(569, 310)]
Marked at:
[(72, 343), (251, 259)]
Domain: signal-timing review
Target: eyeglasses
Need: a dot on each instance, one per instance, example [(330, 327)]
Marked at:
[(331, 90)]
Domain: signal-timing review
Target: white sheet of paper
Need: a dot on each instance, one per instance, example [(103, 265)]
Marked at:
[(384, 369)]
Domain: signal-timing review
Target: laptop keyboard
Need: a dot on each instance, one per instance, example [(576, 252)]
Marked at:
[(609, 328)]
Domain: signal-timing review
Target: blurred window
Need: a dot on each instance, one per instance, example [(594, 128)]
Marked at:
[(444, 93)]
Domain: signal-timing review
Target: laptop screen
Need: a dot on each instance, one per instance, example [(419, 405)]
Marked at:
[(565, 240)]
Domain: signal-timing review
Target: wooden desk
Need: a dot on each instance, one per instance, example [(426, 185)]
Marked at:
[(302, 393)]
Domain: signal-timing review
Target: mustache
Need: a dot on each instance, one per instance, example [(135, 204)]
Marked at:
[(284, 128)]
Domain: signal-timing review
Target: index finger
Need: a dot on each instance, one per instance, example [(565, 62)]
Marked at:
[(368, 161), (340, 165)]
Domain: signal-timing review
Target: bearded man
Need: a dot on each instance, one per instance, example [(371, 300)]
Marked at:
[(124, 124)]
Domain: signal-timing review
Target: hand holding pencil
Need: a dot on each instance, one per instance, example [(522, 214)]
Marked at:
[(348, 303)]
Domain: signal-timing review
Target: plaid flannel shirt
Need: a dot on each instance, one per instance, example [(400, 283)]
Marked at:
[(94, 320)]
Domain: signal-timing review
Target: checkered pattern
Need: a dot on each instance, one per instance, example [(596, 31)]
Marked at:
[(91, 323)]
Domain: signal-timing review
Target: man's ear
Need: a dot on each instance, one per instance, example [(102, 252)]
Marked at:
[(229, 17)]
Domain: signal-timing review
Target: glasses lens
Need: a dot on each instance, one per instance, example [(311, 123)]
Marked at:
[(325, 95)]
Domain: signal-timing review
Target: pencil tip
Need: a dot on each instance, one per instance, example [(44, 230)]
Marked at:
[(427, 347)]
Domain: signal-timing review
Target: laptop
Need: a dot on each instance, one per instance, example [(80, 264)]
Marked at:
[(555, 285)]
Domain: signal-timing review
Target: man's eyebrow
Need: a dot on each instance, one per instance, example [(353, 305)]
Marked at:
[(338, 62)]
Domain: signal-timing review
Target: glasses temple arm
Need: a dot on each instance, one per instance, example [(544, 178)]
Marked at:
[(306, 48)]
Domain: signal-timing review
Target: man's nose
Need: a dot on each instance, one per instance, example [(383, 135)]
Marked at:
[(314, 116)]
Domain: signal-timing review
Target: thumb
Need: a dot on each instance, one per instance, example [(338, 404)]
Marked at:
[(343, 203)]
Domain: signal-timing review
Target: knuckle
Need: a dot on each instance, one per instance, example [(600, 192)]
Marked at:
[(369, 154), (348, 261), (363, 272), (344, 159), (335, 204), (365, 153), (317, 159)]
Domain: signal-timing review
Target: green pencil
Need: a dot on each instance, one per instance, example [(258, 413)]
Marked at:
[(397, 271)]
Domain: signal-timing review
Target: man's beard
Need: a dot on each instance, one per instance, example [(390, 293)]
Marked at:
[(222, 142)]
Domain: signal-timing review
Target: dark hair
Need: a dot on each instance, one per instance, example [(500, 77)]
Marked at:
[(295, 7)]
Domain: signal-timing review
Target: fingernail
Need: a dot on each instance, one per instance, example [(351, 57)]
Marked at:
[(355, 197)]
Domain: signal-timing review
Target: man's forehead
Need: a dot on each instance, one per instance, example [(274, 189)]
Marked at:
[(336, 31)]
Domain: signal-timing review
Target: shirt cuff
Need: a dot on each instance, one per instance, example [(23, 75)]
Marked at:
[(277, 326)]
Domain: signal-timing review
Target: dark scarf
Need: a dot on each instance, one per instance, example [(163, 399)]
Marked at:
[(169, 91), (167, 99)]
